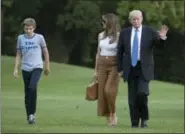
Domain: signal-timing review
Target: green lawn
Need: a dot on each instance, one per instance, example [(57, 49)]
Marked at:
[(62, 107)]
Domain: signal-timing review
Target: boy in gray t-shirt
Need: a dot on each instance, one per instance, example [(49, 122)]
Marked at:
[(30, 46)]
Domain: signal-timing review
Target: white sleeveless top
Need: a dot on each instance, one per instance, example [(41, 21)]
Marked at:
[(107, 49)]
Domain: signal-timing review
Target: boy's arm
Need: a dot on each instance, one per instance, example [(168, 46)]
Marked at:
[(46, 55), (17, 58)]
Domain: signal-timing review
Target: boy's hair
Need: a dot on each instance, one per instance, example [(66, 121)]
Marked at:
[(29, 22)]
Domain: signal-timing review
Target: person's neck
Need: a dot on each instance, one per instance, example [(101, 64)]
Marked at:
[(30, 35), (137, 27)]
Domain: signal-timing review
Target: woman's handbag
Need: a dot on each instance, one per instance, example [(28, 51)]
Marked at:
[(92, 90)]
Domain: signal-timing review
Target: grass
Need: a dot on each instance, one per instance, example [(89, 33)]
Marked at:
[(62, 108)]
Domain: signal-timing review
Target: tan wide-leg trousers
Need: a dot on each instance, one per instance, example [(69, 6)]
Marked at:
[(108, 80)]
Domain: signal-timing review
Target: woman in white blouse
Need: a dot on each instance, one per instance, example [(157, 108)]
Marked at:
[(106, 68)]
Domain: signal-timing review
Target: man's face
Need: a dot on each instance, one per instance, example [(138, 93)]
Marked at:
[(29, 29), (136, 21)]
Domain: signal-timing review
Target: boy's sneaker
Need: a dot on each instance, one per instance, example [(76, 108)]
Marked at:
[(31, 119)]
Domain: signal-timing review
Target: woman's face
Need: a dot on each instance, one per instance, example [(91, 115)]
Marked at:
[(104, 22)]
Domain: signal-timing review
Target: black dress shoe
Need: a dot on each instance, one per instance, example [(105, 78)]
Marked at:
[(144, 124), (134, 126)]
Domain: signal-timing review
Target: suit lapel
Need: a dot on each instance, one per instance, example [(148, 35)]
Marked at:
[(129, 37), (142, 36)]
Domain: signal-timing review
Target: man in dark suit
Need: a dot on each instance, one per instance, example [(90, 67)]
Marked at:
[(136, 64)]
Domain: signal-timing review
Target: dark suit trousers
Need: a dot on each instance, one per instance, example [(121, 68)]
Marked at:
[(31, 80), (138, 91)]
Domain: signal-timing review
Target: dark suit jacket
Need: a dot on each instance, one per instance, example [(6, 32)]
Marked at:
[(149, 39)]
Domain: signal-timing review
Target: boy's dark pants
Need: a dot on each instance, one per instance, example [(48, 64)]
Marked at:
[(31, 80)]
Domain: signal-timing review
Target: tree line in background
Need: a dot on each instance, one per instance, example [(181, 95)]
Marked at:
[(71, 27)]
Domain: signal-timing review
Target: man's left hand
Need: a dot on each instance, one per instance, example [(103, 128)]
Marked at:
[(163, 31)]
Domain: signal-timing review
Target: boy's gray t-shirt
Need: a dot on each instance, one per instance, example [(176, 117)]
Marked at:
[(31, 51)]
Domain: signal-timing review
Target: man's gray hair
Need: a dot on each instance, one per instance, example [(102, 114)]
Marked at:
[(134, 13)]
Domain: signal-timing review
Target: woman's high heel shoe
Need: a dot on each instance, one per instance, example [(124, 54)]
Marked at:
[(114, 121)]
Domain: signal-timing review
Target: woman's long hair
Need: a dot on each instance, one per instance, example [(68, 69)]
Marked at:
[(112, 27)]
